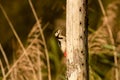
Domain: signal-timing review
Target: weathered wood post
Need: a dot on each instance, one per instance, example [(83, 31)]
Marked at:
[(76, 60)]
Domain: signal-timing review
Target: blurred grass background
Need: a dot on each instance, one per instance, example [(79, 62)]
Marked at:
[(22, 18), (101, 52), (103, 39)]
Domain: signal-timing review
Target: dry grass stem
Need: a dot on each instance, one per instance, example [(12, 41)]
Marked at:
[(5, 57), (111, 38), (2, 69), (39, 68), (22, 55), (45, 26), (43, 38), (17, 37)]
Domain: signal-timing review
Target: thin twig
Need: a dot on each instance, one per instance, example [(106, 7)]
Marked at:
[(39, 64), (46, 25), (5, 57), (111, 37), (2, 68), (43, 38), (17, 37)]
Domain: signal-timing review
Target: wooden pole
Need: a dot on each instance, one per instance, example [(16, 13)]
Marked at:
[(76, 65)]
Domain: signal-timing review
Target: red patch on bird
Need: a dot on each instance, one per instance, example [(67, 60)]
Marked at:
[(65, 54)]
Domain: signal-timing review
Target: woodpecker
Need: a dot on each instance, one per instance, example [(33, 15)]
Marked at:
[(60, 34), (61, 41)]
